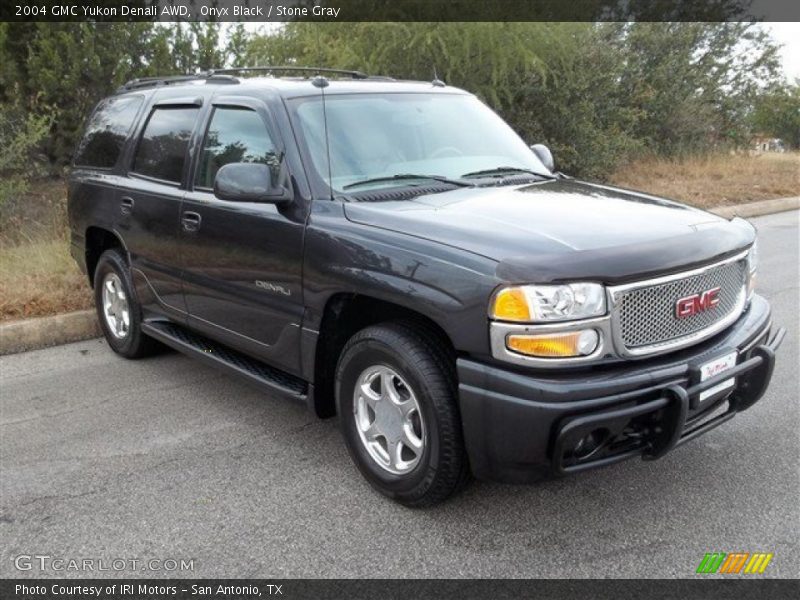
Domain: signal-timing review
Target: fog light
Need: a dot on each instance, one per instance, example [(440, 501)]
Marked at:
[(588, 444), (555, 345)]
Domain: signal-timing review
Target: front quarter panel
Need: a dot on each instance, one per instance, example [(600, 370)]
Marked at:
[(447, 285)]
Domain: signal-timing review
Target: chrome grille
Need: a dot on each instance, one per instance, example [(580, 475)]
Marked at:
[(646, 315)]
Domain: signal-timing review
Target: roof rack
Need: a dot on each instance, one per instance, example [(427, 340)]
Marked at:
[(145, 82), (290, 69), (141, 82), (226, 76)]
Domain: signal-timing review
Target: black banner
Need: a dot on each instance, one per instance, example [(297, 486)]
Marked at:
[(399, 10), (741, 588)]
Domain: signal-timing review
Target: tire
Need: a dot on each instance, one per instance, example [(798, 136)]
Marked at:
[(122, 330), (420, 399)]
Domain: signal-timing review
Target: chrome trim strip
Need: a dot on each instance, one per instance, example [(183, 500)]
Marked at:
[(617, 289)]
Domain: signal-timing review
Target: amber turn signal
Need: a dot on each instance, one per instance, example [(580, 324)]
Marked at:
[(555, 345), (510, 304)]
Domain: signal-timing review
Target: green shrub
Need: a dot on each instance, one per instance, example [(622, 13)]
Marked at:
[(20, 136)]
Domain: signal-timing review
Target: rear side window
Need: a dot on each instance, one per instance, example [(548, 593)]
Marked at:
[(162, 149), (235, 135), (106, 133)]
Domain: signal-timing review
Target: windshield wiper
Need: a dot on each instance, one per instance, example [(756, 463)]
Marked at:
[(405, 176), (500, 171)]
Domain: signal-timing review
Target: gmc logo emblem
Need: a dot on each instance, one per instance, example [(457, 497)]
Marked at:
[(697, 303)]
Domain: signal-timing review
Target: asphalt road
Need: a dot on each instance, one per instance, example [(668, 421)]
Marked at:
[(164, 458)]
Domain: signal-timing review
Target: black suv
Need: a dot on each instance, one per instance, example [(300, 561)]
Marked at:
[(391, 252)]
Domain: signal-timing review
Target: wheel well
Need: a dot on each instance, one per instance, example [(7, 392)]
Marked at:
[(345, 315), (98, 240)]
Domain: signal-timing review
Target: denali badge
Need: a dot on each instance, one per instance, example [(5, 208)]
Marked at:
[(272, 287), (697, 303)]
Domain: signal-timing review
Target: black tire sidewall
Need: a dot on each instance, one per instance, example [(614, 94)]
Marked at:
[(364, 354)]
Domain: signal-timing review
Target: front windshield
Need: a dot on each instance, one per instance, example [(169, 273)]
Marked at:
[(381, 136)]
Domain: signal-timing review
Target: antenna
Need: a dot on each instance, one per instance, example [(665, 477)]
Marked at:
[(321, 82), (327, 139), (319, 47)]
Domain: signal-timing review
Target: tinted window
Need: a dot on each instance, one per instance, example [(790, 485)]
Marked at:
[(105, 135), (235, 135), (162, 149)]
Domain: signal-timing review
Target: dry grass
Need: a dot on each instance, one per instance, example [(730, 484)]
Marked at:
[(40, 279), (716, 180), (38, 276)]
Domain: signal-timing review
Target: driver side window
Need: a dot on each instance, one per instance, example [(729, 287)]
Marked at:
[(235, 135)]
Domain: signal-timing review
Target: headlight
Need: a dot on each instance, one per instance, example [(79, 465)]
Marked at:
[(752, 267), (549, 303)]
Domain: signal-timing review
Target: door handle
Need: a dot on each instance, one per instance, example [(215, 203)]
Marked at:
[(191, 221), (126, 205)]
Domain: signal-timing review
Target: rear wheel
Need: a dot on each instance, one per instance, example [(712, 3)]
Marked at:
[(119, 313), (397, 404)]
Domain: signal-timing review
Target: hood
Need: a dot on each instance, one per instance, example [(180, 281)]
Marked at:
[(564, 229)]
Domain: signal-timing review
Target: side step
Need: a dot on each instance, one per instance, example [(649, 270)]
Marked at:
[(217, 355)]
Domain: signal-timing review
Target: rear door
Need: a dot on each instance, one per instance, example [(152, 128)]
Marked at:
[(242, 260), (149, 201)]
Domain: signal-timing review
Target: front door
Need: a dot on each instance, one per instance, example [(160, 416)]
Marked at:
[(242, 260)]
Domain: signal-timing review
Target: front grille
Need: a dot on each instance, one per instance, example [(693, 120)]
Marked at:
[(646, 315)]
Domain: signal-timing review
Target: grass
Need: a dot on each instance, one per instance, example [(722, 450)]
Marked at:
[(715, 180), (38, 277)]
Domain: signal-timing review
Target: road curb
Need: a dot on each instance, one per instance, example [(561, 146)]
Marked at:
[(30, 334), (757, 209)]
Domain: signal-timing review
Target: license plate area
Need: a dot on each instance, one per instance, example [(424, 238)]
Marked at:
[(712, 368)]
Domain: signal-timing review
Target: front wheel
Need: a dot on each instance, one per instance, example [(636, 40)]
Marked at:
[(397, 403)]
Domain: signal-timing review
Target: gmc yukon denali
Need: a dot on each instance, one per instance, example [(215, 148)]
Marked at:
[(392, 253)]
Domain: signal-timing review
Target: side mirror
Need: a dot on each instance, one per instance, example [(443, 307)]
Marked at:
[(543, 153), (248, 182)]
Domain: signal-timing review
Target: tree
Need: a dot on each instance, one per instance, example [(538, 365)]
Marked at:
[(578, 108), (20, 136), (693, 83), (777, 113), (487, 58)]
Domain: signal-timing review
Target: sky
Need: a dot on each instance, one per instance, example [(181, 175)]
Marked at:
[(788, 34)]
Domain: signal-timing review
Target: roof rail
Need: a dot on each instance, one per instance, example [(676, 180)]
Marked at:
[(290, 68), (145, 82), (226, 76)]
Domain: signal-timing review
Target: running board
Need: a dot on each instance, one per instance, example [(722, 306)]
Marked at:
[(217, 355)]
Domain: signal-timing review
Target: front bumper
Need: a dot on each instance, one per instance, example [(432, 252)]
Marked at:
[(520, 427)]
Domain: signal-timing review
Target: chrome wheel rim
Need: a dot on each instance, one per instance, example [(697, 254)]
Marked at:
[(115, 306), (388, 419)]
